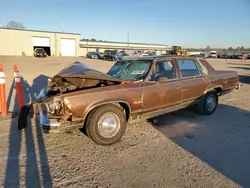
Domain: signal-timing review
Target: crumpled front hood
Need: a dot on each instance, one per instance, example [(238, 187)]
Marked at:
[(79, 70), (79, 76)]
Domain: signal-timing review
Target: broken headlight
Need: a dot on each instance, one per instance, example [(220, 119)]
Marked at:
[(54, 107)]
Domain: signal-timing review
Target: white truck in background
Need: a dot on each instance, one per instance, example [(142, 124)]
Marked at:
[(213, 54)]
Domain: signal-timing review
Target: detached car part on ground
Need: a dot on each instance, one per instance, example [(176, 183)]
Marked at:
[(133, 89)]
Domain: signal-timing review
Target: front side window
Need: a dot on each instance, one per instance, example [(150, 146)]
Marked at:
[(164, 69), (135, 70), (188, 68)]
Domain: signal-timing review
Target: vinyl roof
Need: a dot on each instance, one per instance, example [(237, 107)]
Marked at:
[(160, 56)]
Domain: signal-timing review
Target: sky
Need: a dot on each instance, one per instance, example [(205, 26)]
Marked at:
[(188, 23)]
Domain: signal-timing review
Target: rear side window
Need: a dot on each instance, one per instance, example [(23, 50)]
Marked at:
[(201, 68), (208, 67), (188, 68)]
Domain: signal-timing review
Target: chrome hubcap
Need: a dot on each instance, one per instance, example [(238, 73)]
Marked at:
[(211, 102), (108, 125)]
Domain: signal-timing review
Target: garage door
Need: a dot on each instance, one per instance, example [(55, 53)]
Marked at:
[(68, 47), (40, 41)]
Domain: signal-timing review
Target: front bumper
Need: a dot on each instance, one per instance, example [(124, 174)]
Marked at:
[(45, 121)]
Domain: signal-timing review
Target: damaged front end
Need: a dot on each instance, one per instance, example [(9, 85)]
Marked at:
[(50, 111), (52, 106), (45, 110)]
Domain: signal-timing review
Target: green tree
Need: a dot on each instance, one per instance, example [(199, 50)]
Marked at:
[(230, 49), (242, 48), (15, 25)]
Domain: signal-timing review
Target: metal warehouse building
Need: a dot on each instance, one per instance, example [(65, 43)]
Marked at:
[(19, 42), (23, 42), (90, 46)]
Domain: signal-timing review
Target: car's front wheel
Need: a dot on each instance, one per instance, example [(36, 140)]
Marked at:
[(208, 104), (106, 124)]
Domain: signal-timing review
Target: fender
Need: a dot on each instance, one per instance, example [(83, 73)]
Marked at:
[(92, 106), (212, 88)]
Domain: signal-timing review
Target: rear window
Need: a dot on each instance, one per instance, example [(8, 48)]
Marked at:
[(209, 68)]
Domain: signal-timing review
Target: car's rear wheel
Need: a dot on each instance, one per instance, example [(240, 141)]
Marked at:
[(208, 104), (106, 124)]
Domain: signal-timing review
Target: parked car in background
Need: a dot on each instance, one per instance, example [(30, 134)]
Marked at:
[(101, 55), (109, 55), (93, 55), (40, 52), (219, 54), (228, 55), (197, 55), (131, 90), (113, 55)]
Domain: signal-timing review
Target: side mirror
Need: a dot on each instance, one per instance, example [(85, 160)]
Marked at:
[(162, 79)]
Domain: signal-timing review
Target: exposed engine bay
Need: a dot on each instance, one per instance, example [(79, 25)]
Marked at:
[(60, 85), (60, 108)]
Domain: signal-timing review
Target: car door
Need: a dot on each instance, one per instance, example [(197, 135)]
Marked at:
[(194, 80), (162, 90)]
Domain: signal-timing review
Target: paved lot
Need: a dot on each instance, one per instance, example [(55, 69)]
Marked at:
[(183, 150)]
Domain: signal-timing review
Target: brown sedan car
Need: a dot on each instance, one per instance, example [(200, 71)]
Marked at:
[(133, 89)]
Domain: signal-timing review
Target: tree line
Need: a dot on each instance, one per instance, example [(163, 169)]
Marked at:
[(229, 49)]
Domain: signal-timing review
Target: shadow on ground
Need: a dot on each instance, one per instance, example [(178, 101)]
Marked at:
[(221, 141), (29, 92), (33, 163), (241, 64), (243, 68), (244, 79)]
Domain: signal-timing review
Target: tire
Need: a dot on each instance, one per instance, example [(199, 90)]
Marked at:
[(100, 114), (204, 108)]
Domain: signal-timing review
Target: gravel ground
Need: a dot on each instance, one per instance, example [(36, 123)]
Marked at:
[(183, 150)]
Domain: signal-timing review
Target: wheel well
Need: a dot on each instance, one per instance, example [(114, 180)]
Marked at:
[(218, 90), (124, 106), (126, 109)]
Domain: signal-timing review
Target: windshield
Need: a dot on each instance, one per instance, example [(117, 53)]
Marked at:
[(130, 69)]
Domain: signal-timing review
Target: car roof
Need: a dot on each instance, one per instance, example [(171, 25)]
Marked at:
[(161, 57)]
